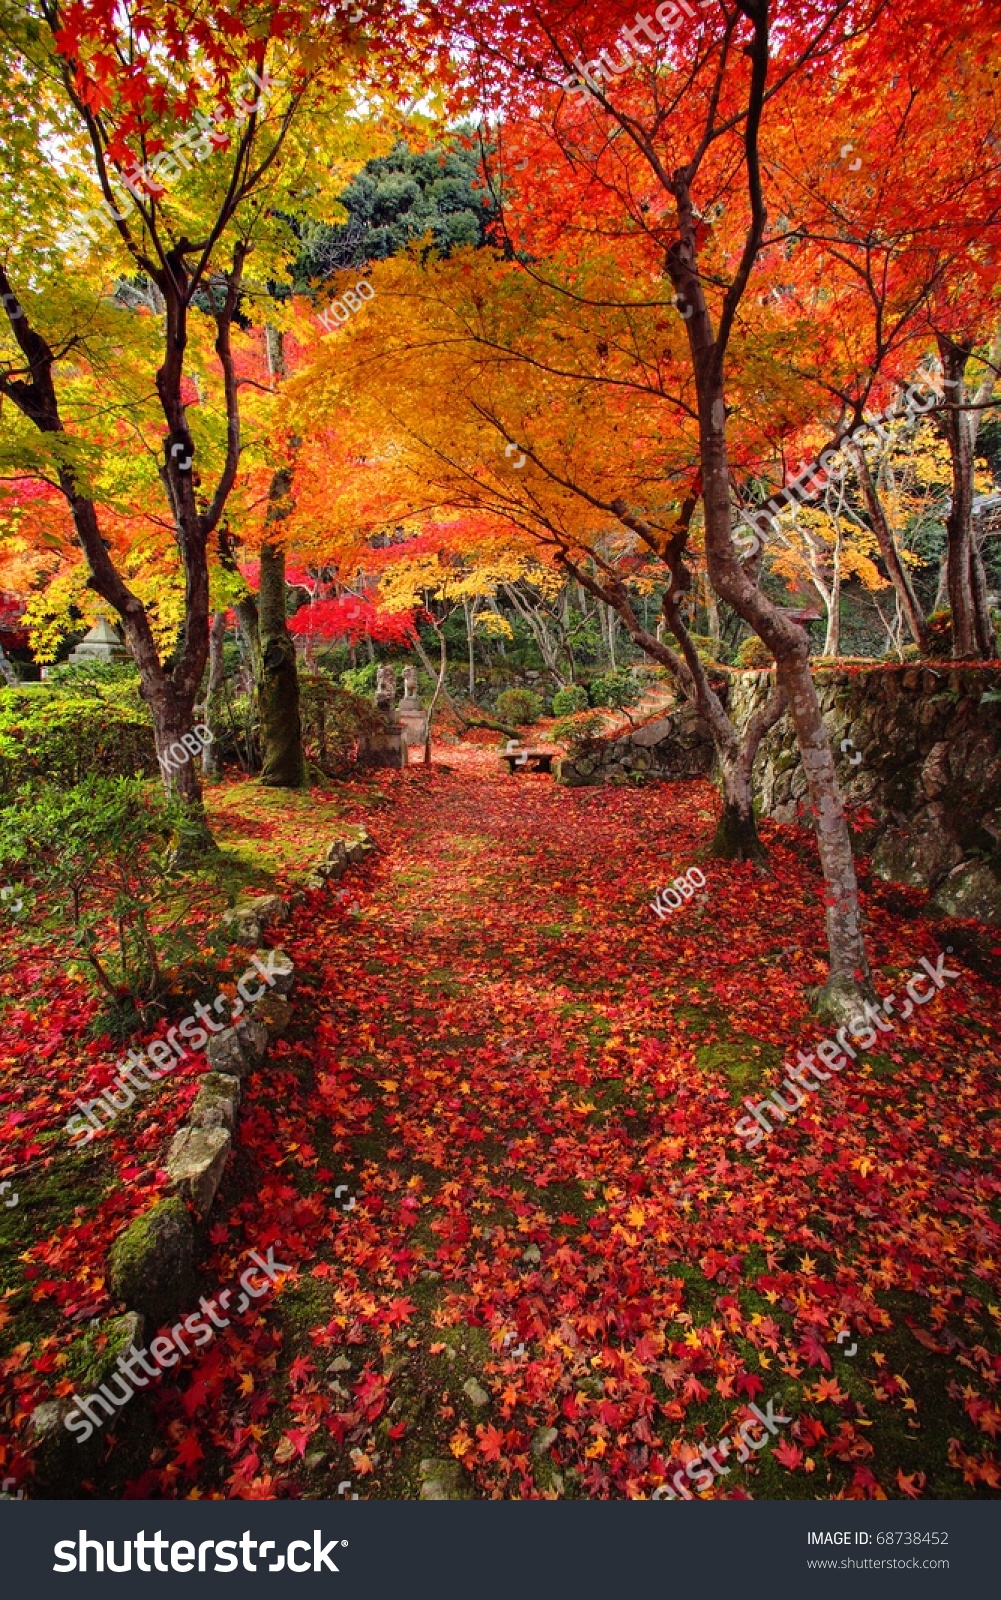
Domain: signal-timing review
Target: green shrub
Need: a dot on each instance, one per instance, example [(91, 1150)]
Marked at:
[(102, 850), (519, 706), (567, 701), (753, 652), (940, 634), (61, 735), (360, 680), (578, 732), (616, 690), (333, 722), (706, 648)]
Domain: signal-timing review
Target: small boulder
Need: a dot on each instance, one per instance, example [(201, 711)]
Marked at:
[(244, 922), (971, 890), (543, 1440), (275, 1013), (60, 1458), (195, 1164), (532, 1255), (443, 1480), (280, 967), (253, 1037), (226, 1054), (150, 1263), (651, 733), (475, 1393), (216, 1103)]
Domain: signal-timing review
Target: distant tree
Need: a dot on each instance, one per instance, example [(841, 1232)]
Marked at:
[(393, 200)]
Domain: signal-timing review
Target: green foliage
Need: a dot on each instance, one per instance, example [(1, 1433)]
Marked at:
[(940, 634), (578, 732), (706, 648), (106, 680), (101, 849), (753, 652), (567, 701), (616, 690), (395, 199), (62, 734), (360, 680), (333, 722), (519, 706)]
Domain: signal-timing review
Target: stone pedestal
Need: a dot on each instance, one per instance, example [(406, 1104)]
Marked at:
[(386, 749), (413, 720)]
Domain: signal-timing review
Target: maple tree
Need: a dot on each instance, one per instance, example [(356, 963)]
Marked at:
[(559, 1274), (621, 169), (190, 236)]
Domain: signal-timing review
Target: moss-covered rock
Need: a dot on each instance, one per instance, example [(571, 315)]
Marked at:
[(217, 1102), (275, 1013), (61, 1461), (443, 1480), (150, 1268), (972, 890)]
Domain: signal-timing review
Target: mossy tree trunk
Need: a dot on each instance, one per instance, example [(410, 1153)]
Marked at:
[(211, 764), (278, 686)]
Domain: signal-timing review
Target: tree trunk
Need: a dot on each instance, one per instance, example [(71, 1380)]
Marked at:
[(712, 611), (470, 619), (786, 640), (736, 837), (211, 763), (443, 664), (278, 689), (959, 522), (896, 571), (832, 643)]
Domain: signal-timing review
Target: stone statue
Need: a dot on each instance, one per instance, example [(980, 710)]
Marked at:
[(410, 701), (409, 711), (385, 690)]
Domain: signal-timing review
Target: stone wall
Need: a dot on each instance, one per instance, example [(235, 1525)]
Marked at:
[(923, 756), (921, 766), (675, 746)]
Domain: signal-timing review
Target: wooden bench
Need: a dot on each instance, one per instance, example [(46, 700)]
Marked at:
[(518, 759)]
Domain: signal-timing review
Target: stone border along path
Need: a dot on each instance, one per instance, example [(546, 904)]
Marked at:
[(151, 1262)]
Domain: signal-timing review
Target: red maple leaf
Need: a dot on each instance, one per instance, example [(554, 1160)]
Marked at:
[(491, 1442)]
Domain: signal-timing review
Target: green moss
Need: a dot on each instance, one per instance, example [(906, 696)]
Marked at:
[(746, 1063), (91, 1359)]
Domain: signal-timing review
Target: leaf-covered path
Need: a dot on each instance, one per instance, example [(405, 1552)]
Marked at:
[(498, 1150)]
